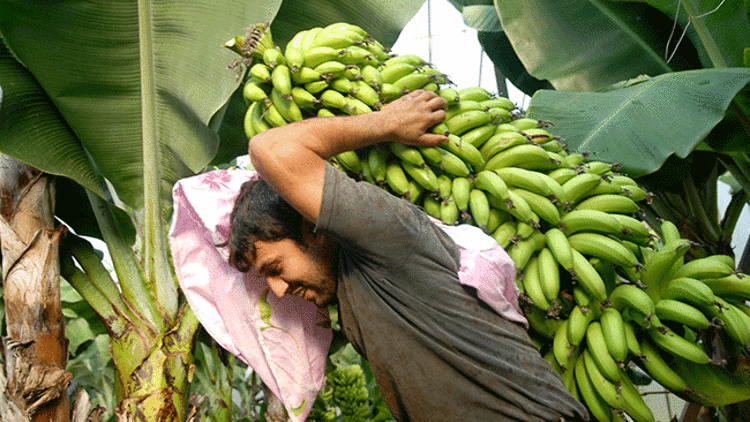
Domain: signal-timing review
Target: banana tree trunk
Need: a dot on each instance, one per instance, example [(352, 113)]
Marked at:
[(35, 348)]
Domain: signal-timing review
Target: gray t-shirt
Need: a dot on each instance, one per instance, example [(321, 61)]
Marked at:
[(438, 353)]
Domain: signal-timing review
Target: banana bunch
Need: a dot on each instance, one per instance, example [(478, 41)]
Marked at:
[(323, 71), (350, 392), (603, 293)]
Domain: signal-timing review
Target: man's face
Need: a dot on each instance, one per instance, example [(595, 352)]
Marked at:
[(291, 269)]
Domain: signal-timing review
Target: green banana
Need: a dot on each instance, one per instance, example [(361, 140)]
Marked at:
[(590, 221), (525, 123), (524, 249), (255, 91), (464, 150), (474, 94), (505, 233), (606, 389), (260, 72), (273, 57), (733, 286), (578, 321), (690, 290), (659, 369), (632, 228), (533, 286), (377, 160), (431, 206), (596, 405), (609, 203), (479, 207), (467, 120), (549, 274), (479, 135), (331, 69), (656, 272), (460, 190), (445, 161), (599, 245), (519, 208), (304, 99), (407, 153), (288, 109), (497, 218), (540, 205), (422, 175), (248, 121), (449, 213), (681, 312), (273, 116), (613, 330), (597, 346), (634, 346), (577, 186), (306, 75), (491, 183), (633, 402), (501, 141), (734, 323), (558, 244), (498, 102), (588, 277), (561, 347), (461, 107), (412, 82), (677, 345), (396, 178), (532, 181), (372, 76), (562, 174), (281, 78), (527, 156), (640, 306), (449, 94), (390, 73), (708, 267)]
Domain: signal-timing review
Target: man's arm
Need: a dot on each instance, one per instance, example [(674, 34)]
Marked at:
[(291, 158)]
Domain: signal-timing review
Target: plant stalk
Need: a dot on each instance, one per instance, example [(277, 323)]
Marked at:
[(155, 263)]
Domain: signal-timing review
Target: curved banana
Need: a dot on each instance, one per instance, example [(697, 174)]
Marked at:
[(691, 291), (549, 274), (532, 285), (597, 346), (528, 156), (633, 402), (601, 246), (479, 207), (590, 221), (609, 203), (396, 178), (613, 330), (524, 249), (579, 320), (467, 120), (677, 345), (578, 185), (464, 150), (561, 347), (606, 389), (504, 234), (474, 94), (635, 299), (708, 267), (500, 141), (460, 190), (526, 179), (422, 175), (562, 174), (479, 135), (587, 276), (540, 205), (659, 369), (558, 244), (599, 409), (681, 312), (656, 272)]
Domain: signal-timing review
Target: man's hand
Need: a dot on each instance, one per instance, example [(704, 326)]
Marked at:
[(410, 118)]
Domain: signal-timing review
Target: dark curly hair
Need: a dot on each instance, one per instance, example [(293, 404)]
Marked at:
[(259, 213)]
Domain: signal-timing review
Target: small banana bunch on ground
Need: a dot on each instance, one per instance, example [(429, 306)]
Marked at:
[(335, 70), (603, 293)]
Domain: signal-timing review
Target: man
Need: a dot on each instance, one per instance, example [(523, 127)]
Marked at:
[(438, 352)]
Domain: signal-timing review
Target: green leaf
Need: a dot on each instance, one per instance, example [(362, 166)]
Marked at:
[(32, 130), (643, 124), (586, 45), (482, 18), (746, 57), (719, 30), (86, 59)]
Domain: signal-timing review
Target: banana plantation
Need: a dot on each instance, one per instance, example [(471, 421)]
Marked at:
[(603, 191)]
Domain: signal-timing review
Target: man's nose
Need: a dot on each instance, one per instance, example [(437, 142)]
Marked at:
[(278, 286)]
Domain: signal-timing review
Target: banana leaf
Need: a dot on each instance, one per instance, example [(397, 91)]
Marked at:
[(718, 30), (587, 45), (85, 59), (640, 125)]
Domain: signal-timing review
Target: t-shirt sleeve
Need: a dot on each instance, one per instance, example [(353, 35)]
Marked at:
[(370, 221)]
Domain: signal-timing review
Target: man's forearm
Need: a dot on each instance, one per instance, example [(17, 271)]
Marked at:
[(291, 158)]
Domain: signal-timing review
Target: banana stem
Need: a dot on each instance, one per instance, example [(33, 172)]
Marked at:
[(710, 227), (732, 214)]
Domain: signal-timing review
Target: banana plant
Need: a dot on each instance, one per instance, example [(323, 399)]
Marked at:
[(122, 100)]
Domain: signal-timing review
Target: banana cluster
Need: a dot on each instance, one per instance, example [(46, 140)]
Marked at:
[(603, 292), (350, 392), (324, 71)]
